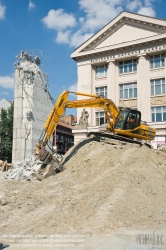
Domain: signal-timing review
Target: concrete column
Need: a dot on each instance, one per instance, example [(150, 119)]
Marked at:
[(111, 88), (93, 91), (18, 142), (84, 85), (143, 88), (32, 105)]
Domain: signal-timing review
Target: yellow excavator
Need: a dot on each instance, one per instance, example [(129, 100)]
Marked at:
[(124, 124)]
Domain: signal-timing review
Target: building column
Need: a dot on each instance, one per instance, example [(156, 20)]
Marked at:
[(93, 91), (143, 89), (84, 85), (111, 88)]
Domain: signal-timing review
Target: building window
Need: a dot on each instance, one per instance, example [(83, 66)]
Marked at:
[(100, 118), (128, 90), (101, 70), (102, 91), (157, 86), (158, 114), (128, 66), (157, 61)]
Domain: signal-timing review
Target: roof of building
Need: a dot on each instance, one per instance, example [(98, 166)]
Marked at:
[(65, 124), (123, 12), (142, 29)]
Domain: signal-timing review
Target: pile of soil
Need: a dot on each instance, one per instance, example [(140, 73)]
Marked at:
[(103, 187)]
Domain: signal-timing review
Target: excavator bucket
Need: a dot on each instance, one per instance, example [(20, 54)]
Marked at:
[(51, 165), (45, 172)]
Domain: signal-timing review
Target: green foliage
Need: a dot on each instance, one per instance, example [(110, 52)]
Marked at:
[(6, 133)]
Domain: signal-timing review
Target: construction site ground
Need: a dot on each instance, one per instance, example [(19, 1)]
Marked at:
[(107, 197)]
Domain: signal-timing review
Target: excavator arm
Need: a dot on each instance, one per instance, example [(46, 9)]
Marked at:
[(96, 101)]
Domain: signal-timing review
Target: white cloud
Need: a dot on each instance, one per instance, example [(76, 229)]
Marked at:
[(81, 19), (147, 11), (73, 88), (133, 5), (31, 5), (5, 93), (59, 20), (97, 15), (6, 82), (78, 38), (148, 3), (2, 11), (63, 37)]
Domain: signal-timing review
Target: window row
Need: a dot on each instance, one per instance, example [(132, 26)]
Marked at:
[(158, 114), (156, 61), (129, 90), (126, 91)]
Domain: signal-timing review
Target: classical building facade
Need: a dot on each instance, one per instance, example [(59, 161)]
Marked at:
[(125, 62)]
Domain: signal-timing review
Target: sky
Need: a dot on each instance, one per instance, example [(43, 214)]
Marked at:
[(53, 29)]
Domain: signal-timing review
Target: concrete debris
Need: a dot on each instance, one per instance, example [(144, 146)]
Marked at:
[(5, 166), (162, 147), (25, 170)]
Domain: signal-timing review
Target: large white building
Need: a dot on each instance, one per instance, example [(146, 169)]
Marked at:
[(125, 61)]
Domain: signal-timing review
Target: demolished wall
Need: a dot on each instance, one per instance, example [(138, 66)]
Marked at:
[(32, 104)]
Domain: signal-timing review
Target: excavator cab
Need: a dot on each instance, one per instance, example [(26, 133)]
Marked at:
[(128, 124), (128, 119)]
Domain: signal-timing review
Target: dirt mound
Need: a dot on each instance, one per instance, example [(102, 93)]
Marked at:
[(103, 187)]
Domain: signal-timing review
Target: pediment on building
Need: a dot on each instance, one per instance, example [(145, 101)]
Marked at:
[(125, 30)]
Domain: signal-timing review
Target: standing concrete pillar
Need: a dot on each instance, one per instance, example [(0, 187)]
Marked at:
[(143, 88), (112, 88), (32, 105)]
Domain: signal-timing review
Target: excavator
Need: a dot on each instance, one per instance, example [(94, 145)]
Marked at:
[(123, 124)]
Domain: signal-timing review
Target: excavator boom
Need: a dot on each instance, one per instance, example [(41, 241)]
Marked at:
[(62, 103)]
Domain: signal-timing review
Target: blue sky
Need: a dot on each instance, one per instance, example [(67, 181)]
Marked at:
[(53, 29)]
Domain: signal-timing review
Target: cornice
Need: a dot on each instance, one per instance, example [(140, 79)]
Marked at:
[(117, 48)]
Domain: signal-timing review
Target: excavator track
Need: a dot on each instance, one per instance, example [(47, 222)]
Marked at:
[(115, 138)]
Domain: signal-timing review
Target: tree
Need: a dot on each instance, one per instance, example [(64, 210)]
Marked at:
[(6, 133)]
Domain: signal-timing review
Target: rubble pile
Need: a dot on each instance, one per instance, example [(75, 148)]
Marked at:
[(25, 170)]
